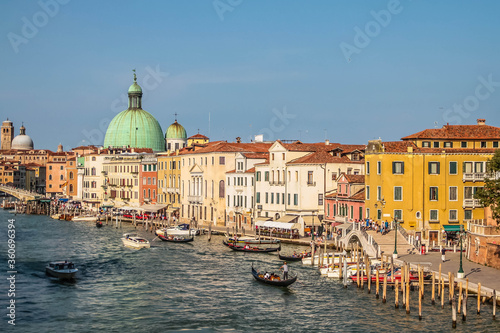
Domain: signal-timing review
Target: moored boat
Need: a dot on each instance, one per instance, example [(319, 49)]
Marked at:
[(64, 270), (176, 239), (273, 279), (178, 230), (252, 240), (134, 241), (294, 257), (248, 248), (84, 218)]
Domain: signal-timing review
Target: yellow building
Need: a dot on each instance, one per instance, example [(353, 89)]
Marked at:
[(428, 181), (198, 139), (169, 179)]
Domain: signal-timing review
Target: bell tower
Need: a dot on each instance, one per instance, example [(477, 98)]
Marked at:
[(7, 134)]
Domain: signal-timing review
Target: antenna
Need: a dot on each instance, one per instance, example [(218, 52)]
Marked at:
[(435, 124)]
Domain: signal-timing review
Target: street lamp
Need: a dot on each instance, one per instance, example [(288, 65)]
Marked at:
[(461, 273), (395, 253)]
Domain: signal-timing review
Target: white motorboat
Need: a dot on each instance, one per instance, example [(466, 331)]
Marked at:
[(85, 218), (134, 241), (64, 270)]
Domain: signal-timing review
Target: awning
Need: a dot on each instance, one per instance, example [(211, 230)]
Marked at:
[(287, 218), (129, 208), (63, 199), (275, 224), (172, 209), (308, 220), (153, 207), (452, 227)]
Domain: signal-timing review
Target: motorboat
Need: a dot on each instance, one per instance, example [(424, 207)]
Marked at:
[(64, 270), (178, 230), (134, 241), (85, 218)]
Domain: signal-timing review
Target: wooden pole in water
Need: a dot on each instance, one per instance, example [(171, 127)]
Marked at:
[(494, 303), (453, 313), (449, 286), (209, 232), (422, 283), (362, 279), (403, 285), (368, 274), (407, 297), (420, 292), (396, 295), (392, 269), (442, 293), (459, 297), (312, 253), (478, 298), (439, 280), (464, 307), (384, 292), (433, 297), (357, 273), (376, 284), (341, 264)]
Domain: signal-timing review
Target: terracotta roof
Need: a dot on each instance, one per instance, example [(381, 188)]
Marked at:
[(355, 179), (198, 136), (321, 157), (457, 132), (251, 170), (223, 146), (402, 147), (331, 195), (360, 195), (232, 171), (259, 155)]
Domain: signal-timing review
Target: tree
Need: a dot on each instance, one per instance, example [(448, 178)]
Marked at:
[(489, 196)]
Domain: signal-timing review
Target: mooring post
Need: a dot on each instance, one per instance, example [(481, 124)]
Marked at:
[(433, 297), (396, 295), (478, 298)]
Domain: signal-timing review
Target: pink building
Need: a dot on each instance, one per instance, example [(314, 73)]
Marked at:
[(348, 202)]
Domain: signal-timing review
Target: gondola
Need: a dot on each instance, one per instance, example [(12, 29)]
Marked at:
[(297, 257), (278, 283), (98, 224), (247, 248), (176, 239)]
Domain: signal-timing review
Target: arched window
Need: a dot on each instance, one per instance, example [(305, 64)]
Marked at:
[(71, 175), (70, 188), (61, 177), (94, 173), (149, 193), (221, 189), (50, 177)]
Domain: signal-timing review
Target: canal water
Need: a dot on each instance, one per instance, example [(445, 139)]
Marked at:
[(198, 287)]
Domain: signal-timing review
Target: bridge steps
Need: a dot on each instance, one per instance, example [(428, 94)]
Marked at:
[(386, 242)]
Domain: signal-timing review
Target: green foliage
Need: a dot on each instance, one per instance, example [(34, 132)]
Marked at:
[(490, 194)]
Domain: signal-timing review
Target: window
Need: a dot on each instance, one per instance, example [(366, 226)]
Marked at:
[(483, 144), (433, 216), (295, 199), (468, 214), (229, 181), (453, 168), (468, 167), (257, 198), (272, 198), (50, 177), (272, 157), (398, 193), (468, 192), (71, 175), (61, 168), (379, 167), (379, 193), (61, 177), (495, 144), (463, 144), (367, 167), (448, 145), (453, 215), (478, 167), (309, 178), (266, 176), (320, 199), (453, 193), (436, 144), (288, 198), (222, 160), (433, 168), (257, 176), (267, 197), (367, 192), (367, 212), (398, 214), (278, 198), (221, 189), (379, 214), (433, 193), (398, 168), (426, 144)]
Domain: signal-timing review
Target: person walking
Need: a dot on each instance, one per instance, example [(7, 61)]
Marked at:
[(443, 254), (285, 271)]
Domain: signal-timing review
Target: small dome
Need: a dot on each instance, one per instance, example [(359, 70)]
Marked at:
[(176, 131), (135, 89), (23, 142)]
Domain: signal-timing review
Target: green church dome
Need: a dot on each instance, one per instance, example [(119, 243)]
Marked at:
[(135, 127), (176, 131)]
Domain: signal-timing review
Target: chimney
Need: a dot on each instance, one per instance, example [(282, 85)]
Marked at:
[(481, 121), (327, 142), (238, 140)]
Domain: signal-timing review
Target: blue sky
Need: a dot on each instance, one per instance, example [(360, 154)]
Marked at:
[(349, 71)]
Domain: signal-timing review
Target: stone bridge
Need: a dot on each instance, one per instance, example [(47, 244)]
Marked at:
[(22, 195), (354, 234)]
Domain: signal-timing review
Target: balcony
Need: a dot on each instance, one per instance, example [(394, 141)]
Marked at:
[(276, 183), (474, 177), (472, 203), (311, 183), (195, 199), (173, 190)]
